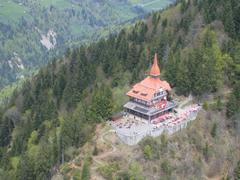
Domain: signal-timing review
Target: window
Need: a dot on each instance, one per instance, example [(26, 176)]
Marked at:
[(134, 91)]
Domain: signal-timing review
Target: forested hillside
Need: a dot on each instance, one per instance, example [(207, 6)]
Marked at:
[(55, 114), (34, 32)]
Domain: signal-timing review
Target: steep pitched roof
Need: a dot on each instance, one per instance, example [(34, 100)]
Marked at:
[(155, 70), (146, 89)]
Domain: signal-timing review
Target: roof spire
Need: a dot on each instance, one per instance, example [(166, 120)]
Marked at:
[(155, 70)]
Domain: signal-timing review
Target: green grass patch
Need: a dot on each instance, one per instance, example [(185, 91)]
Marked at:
[(11, 11), (14, 162), (7, 92), (156, 4), (61, 4), (151, 5)]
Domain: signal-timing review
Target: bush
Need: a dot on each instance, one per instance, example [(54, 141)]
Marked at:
[(206, 152), (237, 172), (214, 130), (219, 104), (108, 171), (154, 145), (135, 171), (86, 170), (205, 106), (147, 152), (164, 142), (166, 168), (95, 151)]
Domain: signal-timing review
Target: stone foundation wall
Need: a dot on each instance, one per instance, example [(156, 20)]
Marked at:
[(136, 138)]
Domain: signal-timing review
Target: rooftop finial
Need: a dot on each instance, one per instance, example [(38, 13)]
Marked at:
[(155, 70)]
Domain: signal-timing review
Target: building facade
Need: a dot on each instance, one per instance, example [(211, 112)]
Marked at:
[(148, 98)]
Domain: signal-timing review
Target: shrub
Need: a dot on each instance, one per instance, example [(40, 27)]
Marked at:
[(108, 171), (85, 171), (237, 172), (147, 152), (205, 106), (154, 145), (214, 130), (166, 168), (206, 152), (135, 171), (95, 151)]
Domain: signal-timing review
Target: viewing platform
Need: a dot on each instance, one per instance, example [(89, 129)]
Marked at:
[(132, 129), (149, 111)]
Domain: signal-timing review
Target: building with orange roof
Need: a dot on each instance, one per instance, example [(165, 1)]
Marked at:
[(148, 98)]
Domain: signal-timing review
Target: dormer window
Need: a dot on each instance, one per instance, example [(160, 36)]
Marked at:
[(143, 94), (134, 91)]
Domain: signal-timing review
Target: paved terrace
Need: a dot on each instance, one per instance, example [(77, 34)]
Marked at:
[(132, 130)]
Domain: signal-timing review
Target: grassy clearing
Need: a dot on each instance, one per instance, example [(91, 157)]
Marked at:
[(7, 92), (151, 5), (11, 10), (61, 4), (156, 4), (135, 1)]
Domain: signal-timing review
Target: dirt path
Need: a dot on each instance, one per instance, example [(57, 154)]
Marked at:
[(73, 166), (113, 149), (97, 160)]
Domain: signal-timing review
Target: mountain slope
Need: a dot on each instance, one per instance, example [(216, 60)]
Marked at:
[(50, 119), (33, 32)]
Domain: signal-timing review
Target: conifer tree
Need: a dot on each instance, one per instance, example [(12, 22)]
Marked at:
[(172, 68), (237, 172), (228, 19)]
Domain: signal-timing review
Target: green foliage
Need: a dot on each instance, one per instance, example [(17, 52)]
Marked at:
[(214, 130), (226, 11), (95, 151), (153, 148), (233, 103), (172, 67), (210, 12), (164, 142), (206, 71), (228, 19), (237, 171), (184, 5), (102, 104), (109, 171), (202, 71), (135, 171), (85, 171), (147, 151), (219, 104), (165, 22), (205, 106), (166, 168), (206, 151), (6, 127), (186, 21), (14, 162), (75, 130), (25, 169)]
